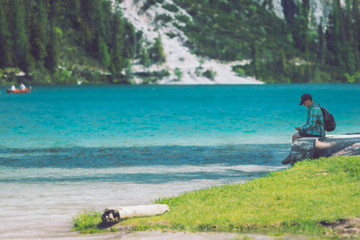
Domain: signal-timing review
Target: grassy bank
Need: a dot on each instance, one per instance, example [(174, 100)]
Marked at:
[(309, 198)]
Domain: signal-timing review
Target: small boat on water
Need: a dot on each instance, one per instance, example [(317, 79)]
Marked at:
[(26, 90)]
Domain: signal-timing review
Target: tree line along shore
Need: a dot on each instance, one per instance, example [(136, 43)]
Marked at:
[(65, 42)]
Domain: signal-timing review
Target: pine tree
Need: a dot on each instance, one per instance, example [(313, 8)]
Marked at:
[(99, 26), (348, 53), (51, 59), (71, 11), (38, 39), (98, 18), (321, 45), (108, 11), (255, 59), (333, 36), (349, 58), (21, 48), (330, 41), (117, 44), (290, 10), (28, 4), (103, 53), (5, 46), (284, 68), (300, 30), (347, 18), (94, 28), (356, 33), (157, 51), (86, 28)]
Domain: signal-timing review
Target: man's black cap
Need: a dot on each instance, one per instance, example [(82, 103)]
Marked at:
[(305, 97)]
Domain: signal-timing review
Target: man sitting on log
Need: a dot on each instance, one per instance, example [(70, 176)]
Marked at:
[(314, 126)]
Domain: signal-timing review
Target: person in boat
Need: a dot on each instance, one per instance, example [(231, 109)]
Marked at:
[(13, 88), (22, 86), (314, 126)]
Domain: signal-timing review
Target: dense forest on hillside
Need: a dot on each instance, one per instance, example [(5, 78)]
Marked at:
[(64, 41), (290, 50)]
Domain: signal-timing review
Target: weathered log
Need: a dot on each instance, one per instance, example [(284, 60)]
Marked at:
[(335, 145), (117, 214)]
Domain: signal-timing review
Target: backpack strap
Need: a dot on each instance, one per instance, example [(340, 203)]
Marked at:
[(318, 121)]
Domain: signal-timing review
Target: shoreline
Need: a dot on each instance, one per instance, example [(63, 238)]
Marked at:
[(281, 203)]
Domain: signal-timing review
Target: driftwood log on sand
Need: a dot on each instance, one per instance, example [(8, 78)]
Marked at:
[(117, 214)]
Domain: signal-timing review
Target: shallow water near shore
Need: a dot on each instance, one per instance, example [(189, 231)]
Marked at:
[(65, 149)]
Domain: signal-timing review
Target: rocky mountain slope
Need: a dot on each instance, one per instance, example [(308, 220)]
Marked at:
[(184, 66)]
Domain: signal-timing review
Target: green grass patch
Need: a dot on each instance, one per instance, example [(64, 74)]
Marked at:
[(88, 222), (293, 201)]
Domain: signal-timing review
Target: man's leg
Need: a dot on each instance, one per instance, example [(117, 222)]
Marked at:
[(287, 160), (296, 136)]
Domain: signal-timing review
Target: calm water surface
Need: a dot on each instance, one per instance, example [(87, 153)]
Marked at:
[(64, 149)]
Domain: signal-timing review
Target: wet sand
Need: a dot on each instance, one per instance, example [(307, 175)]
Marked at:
[(157, 235)]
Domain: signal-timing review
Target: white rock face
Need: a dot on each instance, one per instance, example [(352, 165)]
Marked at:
[(177, 55), (277, 7), (319, 9)]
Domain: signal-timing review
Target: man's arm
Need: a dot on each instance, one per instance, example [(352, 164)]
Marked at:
[(313, 119)]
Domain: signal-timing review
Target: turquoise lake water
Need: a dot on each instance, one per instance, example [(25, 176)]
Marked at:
[(63, 149), (130, 116)]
